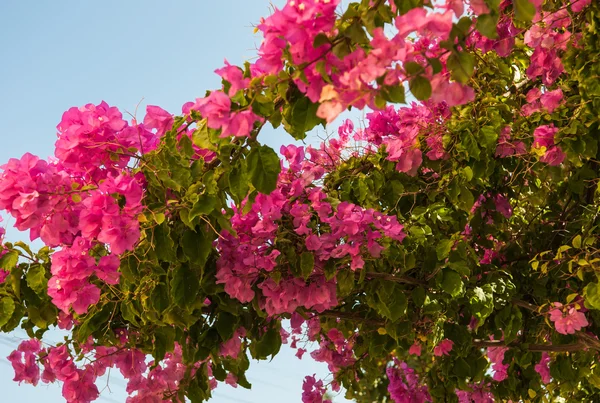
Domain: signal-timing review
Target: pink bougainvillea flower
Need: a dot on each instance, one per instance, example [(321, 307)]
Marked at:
[(496, 356), (215, 108), (567, 321), (578, 5), (443, 348), (313, 391), (330, 106), (551, 100), (405, 385), (415, 349), (543, 136), (159, 119), (503, 206), (543, 368), (234, 76)]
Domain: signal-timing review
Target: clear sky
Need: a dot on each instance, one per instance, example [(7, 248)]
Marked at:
[(55, 54)]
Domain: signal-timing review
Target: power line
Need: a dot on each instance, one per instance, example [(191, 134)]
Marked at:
[(233, 399)]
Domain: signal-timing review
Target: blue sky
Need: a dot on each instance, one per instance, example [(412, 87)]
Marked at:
[(58, 54)]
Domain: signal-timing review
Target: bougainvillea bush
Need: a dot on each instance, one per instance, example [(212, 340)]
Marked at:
[(444, 250)]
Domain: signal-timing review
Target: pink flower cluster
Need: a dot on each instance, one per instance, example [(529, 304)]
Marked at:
[(505, 41), (143, 384), (443, 348), (543, 136), (232, 347), (335, 350), (496, 357), (290, 33), (415, 349), (543, 368), (567, 320), (24, 362), (405, 385), (313, 391), (216, 108), (399, 130), (479, 393), (296, 25), (100, 220), (35, 193), (506, 148), (83, 198), (78, 384), (94, 138), (536, 101), (349, 231), (548, 40)]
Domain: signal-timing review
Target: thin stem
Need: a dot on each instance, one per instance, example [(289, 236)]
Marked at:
[(397, 278), (561, 348)]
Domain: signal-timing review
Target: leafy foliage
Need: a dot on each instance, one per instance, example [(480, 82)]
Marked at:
[(443, 251)]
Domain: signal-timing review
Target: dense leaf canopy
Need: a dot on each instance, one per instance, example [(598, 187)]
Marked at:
[(443, 251)]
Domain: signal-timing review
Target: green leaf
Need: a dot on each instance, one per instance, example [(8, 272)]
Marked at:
[(219, 372), (394, 93), (420, 88), (451, 283), (226, 325), (486, 25), (356, 33), (268, 344), (460, 29), (413, 68), (185, 285), (264, 168), (159, 218), (7, 308), (524, 10), (243, 381), (577, 242), (238, 182), (461, 368), (94, 322), (198, 387), (469, 143), (307, 264), (16, 273), (466, 199), (461, 65), (510, 320), (320, 39), (392, 306), (196, 246), (458, 264), (488, 137), (42, 315), (187, 148), (436, 65), (345, 282), (591, 294), (482, 303), (163, 244), (129, 312), (36, 278), (164, 341), (9, 260), (443, 248), (301, 117), (204, 205), (201, 138), (160, 297), (418, 296)]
